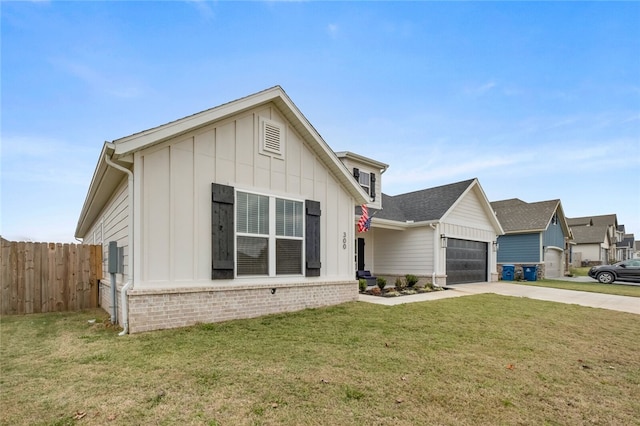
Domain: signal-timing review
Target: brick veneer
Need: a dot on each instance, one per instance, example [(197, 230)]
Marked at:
[(171, 308)]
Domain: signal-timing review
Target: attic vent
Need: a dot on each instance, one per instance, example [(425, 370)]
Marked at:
[(272, 137)]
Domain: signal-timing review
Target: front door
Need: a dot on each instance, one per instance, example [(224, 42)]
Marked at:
[(360, 254)]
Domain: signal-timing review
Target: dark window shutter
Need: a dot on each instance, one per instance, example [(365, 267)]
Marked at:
[(312, 238), (372, 189), (222, 232), (356, 174)]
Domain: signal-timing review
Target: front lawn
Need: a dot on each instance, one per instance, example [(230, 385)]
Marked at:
[(593, 287), (483, 359)]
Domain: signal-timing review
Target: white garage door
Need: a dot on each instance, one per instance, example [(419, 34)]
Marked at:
[(552, 263)]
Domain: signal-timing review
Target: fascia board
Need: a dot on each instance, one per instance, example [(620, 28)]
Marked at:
[(94, 187), (362, 159), (135, 142)]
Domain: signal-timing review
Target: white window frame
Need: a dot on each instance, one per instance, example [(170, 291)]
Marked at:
[(365, 185), (271, 236)]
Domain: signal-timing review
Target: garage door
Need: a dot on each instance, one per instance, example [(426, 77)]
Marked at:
[(552, 263), (466, 261)]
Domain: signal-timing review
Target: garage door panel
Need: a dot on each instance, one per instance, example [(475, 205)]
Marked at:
[(466, 261)]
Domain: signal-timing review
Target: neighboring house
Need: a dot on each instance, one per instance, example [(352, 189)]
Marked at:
[(233, 212), (636, 253), (590, 245), (626, 246), (444, 235), (584, 248), (534, 234)]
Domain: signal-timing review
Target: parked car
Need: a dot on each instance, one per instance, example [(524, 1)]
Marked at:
[(628, 270)]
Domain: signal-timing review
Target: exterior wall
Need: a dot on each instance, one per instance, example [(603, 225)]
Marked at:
[(403, 252), (553, 236), (170, 308), (175, 212), (350, 164), (590, 252), (112, 225), (517, 248)]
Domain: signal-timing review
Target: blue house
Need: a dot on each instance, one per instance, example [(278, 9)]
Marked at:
[(534, 234)]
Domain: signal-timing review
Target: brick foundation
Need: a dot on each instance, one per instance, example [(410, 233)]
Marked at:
[(171, 308)]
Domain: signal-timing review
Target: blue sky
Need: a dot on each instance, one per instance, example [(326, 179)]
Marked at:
[(537, 100)]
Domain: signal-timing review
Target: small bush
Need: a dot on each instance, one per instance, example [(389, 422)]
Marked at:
[(411, 280), (362, 285), (400, 284), (382, 282), (429, 286)]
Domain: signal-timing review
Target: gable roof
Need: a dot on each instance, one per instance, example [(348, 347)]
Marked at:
[(425, 205), (106, 179), (429, 205), (606, 219), (590, 234), (517, 216)]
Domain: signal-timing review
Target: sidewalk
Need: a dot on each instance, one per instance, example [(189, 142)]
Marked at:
[(582, 298)]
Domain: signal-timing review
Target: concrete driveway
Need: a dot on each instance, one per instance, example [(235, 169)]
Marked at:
[(583, 298)]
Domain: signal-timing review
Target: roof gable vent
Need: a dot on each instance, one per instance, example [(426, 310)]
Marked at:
[(271, 137)]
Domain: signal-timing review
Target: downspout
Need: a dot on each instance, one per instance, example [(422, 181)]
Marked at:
[(436, 247), (129, 284)]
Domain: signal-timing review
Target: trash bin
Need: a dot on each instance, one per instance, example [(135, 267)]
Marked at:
[(508, 271), (530, 272)]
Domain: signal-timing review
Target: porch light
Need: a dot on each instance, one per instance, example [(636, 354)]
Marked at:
[(496, 246), (443, 241)]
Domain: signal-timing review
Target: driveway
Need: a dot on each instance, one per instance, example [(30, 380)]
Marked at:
[(582, 298)]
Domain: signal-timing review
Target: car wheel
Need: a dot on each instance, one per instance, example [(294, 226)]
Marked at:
[(606, 277)]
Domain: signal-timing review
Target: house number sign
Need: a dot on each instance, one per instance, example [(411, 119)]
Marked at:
[(344, 241)]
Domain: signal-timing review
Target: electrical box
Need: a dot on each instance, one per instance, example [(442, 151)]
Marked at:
[(112, 266)]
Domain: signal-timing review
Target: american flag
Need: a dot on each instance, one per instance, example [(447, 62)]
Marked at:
[(365, 221)]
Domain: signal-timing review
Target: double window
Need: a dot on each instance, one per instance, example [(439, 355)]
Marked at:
[(269, 235)]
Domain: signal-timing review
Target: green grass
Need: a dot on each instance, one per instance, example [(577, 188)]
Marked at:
[(482, 359), (581, 271), (593, 287)]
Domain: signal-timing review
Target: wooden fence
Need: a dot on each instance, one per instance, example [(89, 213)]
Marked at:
[(48, 277)]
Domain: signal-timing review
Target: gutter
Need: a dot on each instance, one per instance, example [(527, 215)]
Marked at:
[(129, 284)]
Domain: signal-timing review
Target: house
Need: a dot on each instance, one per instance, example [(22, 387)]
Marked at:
[(534, 234), (625, 247), (590, 247), (234, 212), (444, 235)]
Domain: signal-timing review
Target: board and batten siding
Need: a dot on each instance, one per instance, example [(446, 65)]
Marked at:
[(404, 252), (468, 220), (175, 183), (553, 236)]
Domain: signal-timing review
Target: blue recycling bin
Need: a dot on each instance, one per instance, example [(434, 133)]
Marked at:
[(530, 272), (508, 272)]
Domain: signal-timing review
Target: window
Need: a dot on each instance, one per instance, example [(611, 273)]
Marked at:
[(269, 234), (364, 181)]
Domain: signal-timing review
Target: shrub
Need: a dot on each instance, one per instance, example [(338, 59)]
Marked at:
[(428, 285), (400, 284), (382, 282), (362, 285), (411, 280)]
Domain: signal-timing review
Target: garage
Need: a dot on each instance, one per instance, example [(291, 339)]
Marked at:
[(553, 263), (466, 261)]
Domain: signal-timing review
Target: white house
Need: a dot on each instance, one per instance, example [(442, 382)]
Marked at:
[(444, 235), (233, 212)]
